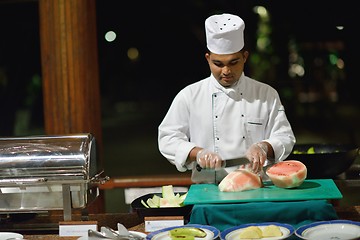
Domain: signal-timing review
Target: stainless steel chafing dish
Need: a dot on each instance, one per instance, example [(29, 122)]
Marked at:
[(42, 173)]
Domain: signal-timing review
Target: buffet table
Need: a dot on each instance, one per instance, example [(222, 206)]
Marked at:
[(45, 226)]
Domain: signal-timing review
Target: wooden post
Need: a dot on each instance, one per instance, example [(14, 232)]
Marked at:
[(70, 71)]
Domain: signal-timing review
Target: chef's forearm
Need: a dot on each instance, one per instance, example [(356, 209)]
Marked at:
[(192, 154)]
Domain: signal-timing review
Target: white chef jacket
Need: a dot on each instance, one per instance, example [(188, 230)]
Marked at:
[(224, 120)]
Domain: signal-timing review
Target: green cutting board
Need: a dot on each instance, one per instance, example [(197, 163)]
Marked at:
[(309, 190)]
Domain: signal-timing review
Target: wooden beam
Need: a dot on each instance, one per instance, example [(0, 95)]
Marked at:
[(181, 179), (70, 73)]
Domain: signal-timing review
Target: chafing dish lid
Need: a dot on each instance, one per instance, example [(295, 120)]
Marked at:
[(70, 156)]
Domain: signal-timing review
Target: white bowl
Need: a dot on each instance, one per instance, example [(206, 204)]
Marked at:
[(9, 235), (335, 229)]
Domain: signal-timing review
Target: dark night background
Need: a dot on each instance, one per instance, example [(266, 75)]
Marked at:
[(170, 39), (322, 105)]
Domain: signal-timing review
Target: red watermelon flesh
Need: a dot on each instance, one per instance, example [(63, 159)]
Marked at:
[(240, 180), (287, 174)]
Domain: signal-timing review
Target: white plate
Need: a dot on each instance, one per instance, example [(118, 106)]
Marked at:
[(335, 229), (140, 234), (233, 233), (163, 234), (7, 235)]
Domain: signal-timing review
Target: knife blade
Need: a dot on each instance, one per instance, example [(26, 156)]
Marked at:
[(231, 162), (236, 161)]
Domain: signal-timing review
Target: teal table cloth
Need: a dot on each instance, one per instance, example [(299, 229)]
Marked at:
[(295, 213)]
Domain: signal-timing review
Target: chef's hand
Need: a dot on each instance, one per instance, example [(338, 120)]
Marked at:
[(257, 155), (207, 159)]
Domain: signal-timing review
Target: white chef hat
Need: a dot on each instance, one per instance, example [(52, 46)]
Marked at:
[(224, 33)]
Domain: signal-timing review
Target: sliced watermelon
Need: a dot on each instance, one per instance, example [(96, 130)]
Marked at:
[(240, 180), (287, 174), (168, 199), (153, 203), (168, 191), (144, 204)]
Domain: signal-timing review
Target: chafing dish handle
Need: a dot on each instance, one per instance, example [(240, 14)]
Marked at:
[(20, 181), (98, 179)]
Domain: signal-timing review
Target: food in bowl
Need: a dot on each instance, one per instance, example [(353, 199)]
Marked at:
[(252, 232), (271, 231), (187, 233)]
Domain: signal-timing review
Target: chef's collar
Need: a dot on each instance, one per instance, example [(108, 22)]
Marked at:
[(233, 91)]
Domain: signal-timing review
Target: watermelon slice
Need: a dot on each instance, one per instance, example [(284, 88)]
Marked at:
[(168, 191), (169, 199), (153, 202), (240, 180), (287, 174)]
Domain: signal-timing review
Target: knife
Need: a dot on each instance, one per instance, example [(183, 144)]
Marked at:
[(231, 162)]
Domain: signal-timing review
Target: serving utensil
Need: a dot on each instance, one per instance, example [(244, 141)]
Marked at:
[(92, 235), (109, 233)]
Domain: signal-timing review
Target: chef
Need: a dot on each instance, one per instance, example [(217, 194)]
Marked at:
[(225, 115)]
